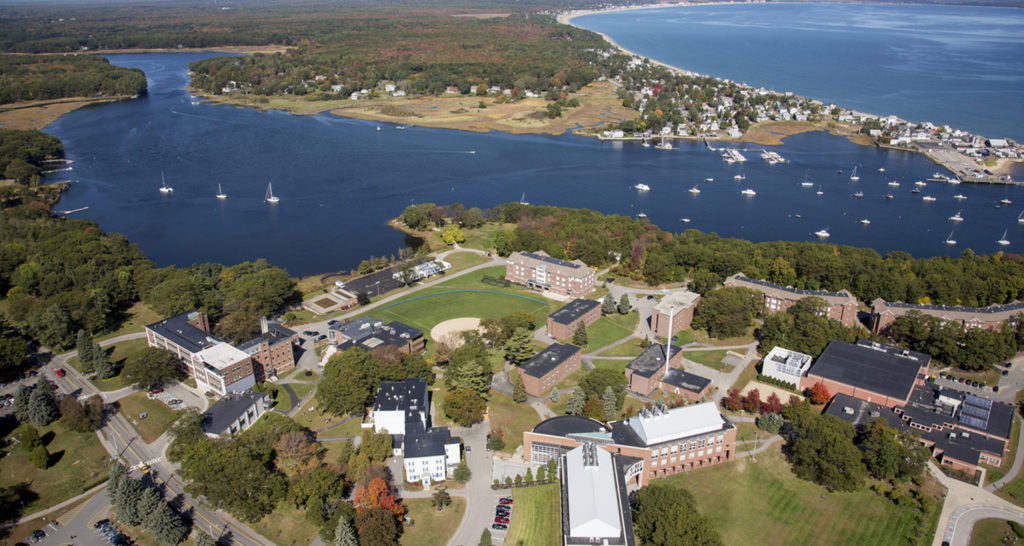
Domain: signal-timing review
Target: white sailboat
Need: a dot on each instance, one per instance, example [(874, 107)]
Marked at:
[(928, 198), (749, 192), (823, 233), (270, 195), (959, 197), (806, 182), (853, 175), (522, 200), (1003, 241), (1020, 217), (859, 194), (164, 188), (956, 217), (220, 193), (642, 187), (695, 190), (865, 221), (949, 239), (819, 192)]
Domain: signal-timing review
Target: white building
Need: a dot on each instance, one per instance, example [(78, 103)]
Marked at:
[(235, 412), (594, 497), (399, 404), (785, 365), (430, 456)]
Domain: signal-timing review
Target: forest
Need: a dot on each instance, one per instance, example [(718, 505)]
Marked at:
[(44, 77), (424, 54), (22, 154)]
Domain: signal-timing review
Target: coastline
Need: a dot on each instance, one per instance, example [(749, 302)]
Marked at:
[(39, 114)]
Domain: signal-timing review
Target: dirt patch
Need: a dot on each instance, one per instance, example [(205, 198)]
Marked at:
[(449, 330), (40, 113), (764, 390)]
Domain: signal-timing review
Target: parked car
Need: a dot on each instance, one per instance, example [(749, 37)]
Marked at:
[(59, 372), (995, 388), (53, 385), (1009, 365), (100, 523), (499, 519), (1006, 372), (39, 534), (499, 527), (505, 500), (468, 450), (502, 513), (332, 322), (321, 337), (157, 390)]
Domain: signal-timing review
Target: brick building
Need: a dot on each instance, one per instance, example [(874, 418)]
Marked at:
[(273, 351), (562, 324), (217, 366), (842, 306), (660, 441), (548, 367), (680, 304), (993, 317), (873, 372), (540, 271)]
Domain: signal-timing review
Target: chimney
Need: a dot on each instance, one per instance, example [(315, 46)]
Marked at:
[(264, 328), (668, 338)]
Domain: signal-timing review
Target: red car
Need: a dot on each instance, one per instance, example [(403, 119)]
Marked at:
[(59, 372), (505, 500), (53, 386), (500, 519), (156, 391)]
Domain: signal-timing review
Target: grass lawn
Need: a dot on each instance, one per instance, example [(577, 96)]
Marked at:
[(993, 473), (284, 400), (135, 320), (1014, 491), (350, 428), (429, 526), (287, 526), (993, 531), (118, 353), (537, 518), (483, 237), (558, 407), (746, 376), (302, 389), (629, 348), (764, 503), (513, 418), (617, 365), (610, 328), (701, 336), (77, 463), (158, 419), (682, 337), (711, 359), (437, 395), (312, 418), (463, 260), (571, 380)]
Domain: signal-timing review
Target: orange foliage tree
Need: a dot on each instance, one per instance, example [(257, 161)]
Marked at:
[(820, 394), (377, 495)]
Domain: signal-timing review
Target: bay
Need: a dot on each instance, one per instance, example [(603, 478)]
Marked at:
[(339, 180), (956, 65)]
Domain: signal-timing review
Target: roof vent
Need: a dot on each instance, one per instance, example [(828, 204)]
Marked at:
[(848, 410)]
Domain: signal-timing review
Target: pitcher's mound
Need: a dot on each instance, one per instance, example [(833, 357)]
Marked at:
[(449, 329)]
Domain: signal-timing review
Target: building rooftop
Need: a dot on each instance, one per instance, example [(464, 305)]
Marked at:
[(686, 380), (544, 257), (226, 411), (992, 312), (886, 370), (861, 412), (680, 299), (178, 330), (935, 406), (591, 492), (411, 394), (564, 425), (429, 443), (222, 355), (651, 360), (661, 425), (788, 292), (370, 333), (548, 359), (786, 362), (276, 333), (574, 310)]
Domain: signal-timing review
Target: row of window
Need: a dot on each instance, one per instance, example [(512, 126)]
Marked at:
[(688, 446)]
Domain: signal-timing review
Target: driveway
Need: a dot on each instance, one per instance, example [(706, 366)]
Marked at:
[(480, 498)]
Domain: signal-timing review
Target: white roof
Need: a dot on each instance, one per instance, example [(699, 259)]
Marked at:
[(657, 427), (680, 299), (786, 362), (222, 355), (592, 495)]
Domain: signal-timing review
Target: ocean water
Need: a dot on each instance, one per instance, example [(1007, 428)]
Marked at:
[(340, 180), (961, 66)]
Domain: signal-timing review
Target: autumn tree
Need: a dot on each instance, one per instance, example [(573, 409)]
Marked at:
[(440, 499), (752, 401), (819, 394), (294, 449), (377, 495), (733, 401), (772, 404)]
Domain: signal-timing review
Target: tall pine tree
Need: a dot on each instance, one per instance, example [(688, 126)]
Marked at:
[(519, 347), (518, 387), (101, 363), (608, 305), (345, 535), (578, 399), (609, 403), (86, 355), (624, 304), (579, 337), (42, 404)]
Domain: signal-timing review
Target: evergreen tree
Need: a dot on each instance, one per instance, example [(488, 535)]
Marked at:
[(29, 438), (485, 538), (149, 503), (101, 363), (127, 507), (345, 535), (117, 474), (554, 394), (609, 403), (470, 375), (167, 526), (608, 305), (529, 475), (42, 404), (202, 539), (461, 473), (21, 397), (624, 304), (579, 337), (518, 387), (519, 347), (553, 468), (40, 457), (85, 353), (541, 474), (577, 400)]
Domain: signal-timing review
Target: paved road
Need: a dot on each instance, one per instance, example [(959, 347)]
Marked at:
[(480, 499), (78, 523), (963, 498), (963, 519)]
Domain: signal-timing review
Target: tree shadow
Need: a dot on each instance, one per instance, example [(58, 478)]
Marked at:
[(47, 438), (55, 458), (12, 505)]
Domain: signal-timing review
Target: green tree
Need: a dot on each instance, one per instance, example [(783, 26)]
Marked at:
[(609, 403), (553, 468), (51, 325), (579, 337), (377, 527), (461, 473), (345, 450), (83, 344), (21, 399), (81, 417), (608, 305), (529, 475), (485, 536), (554, 394), (29, 438), (465, 407), (624, 305), (40, 457), (101, 363), (151, 367), (821, 449), (574, 406), (376, 446), (452, 234), (202, 539), (664, 514), (344, 388), (593, 408), (129, 496), (440, 499), (518, 387), (519, 347), (771, 423), (414, 217), (473, 218), (344, 534), (553, 110), (541, 474), (597, 380), (728, 312), (891, 454), (42, 404)]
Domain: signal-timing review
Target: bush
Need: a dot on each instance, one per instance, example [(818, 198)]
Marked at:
[(40, 457)]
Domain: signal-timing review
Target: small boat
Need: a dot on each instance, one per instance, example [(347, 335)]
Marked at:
[(894, 184), (684, 220), (400, 127), (709, 179), (881, 169), (646, 144), (798, 216), (920, 183), (522, 200), (889, 196), (269, 198), (1005, 201), (960, 196), (642, 187), (949, 239), (663, 145), (822, 233), (806, 184), (378, 128), (749, 192), (641, 215), (928, 198), (739, 177), (695, 190), (915, 190), (220, 193), (819, 192), (853, 175), (865, 221), (164, 188), (859, 194), (1020, 217), (1003, 241), (956, 218)]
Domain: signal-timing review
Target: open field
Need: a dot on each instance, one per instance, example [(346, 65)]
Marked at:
[(994, 531), (78, 462), (136, 318), (537, 517), (312, 418), (287, 526), (431, 527), (483, 237), (629, 348), (711, 359), (571, 380), (610, 328), (617, 365), (302, 389), (158, 419), (765, 503), (512, 418)]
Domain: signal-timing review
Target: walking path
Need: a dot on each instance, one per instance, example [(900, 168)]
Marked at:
[(964, 505), (58, 506), (1018, 462)]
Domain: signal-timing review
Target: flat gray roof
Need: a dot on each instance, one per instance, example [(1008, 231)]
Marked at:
[(574, 310)]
